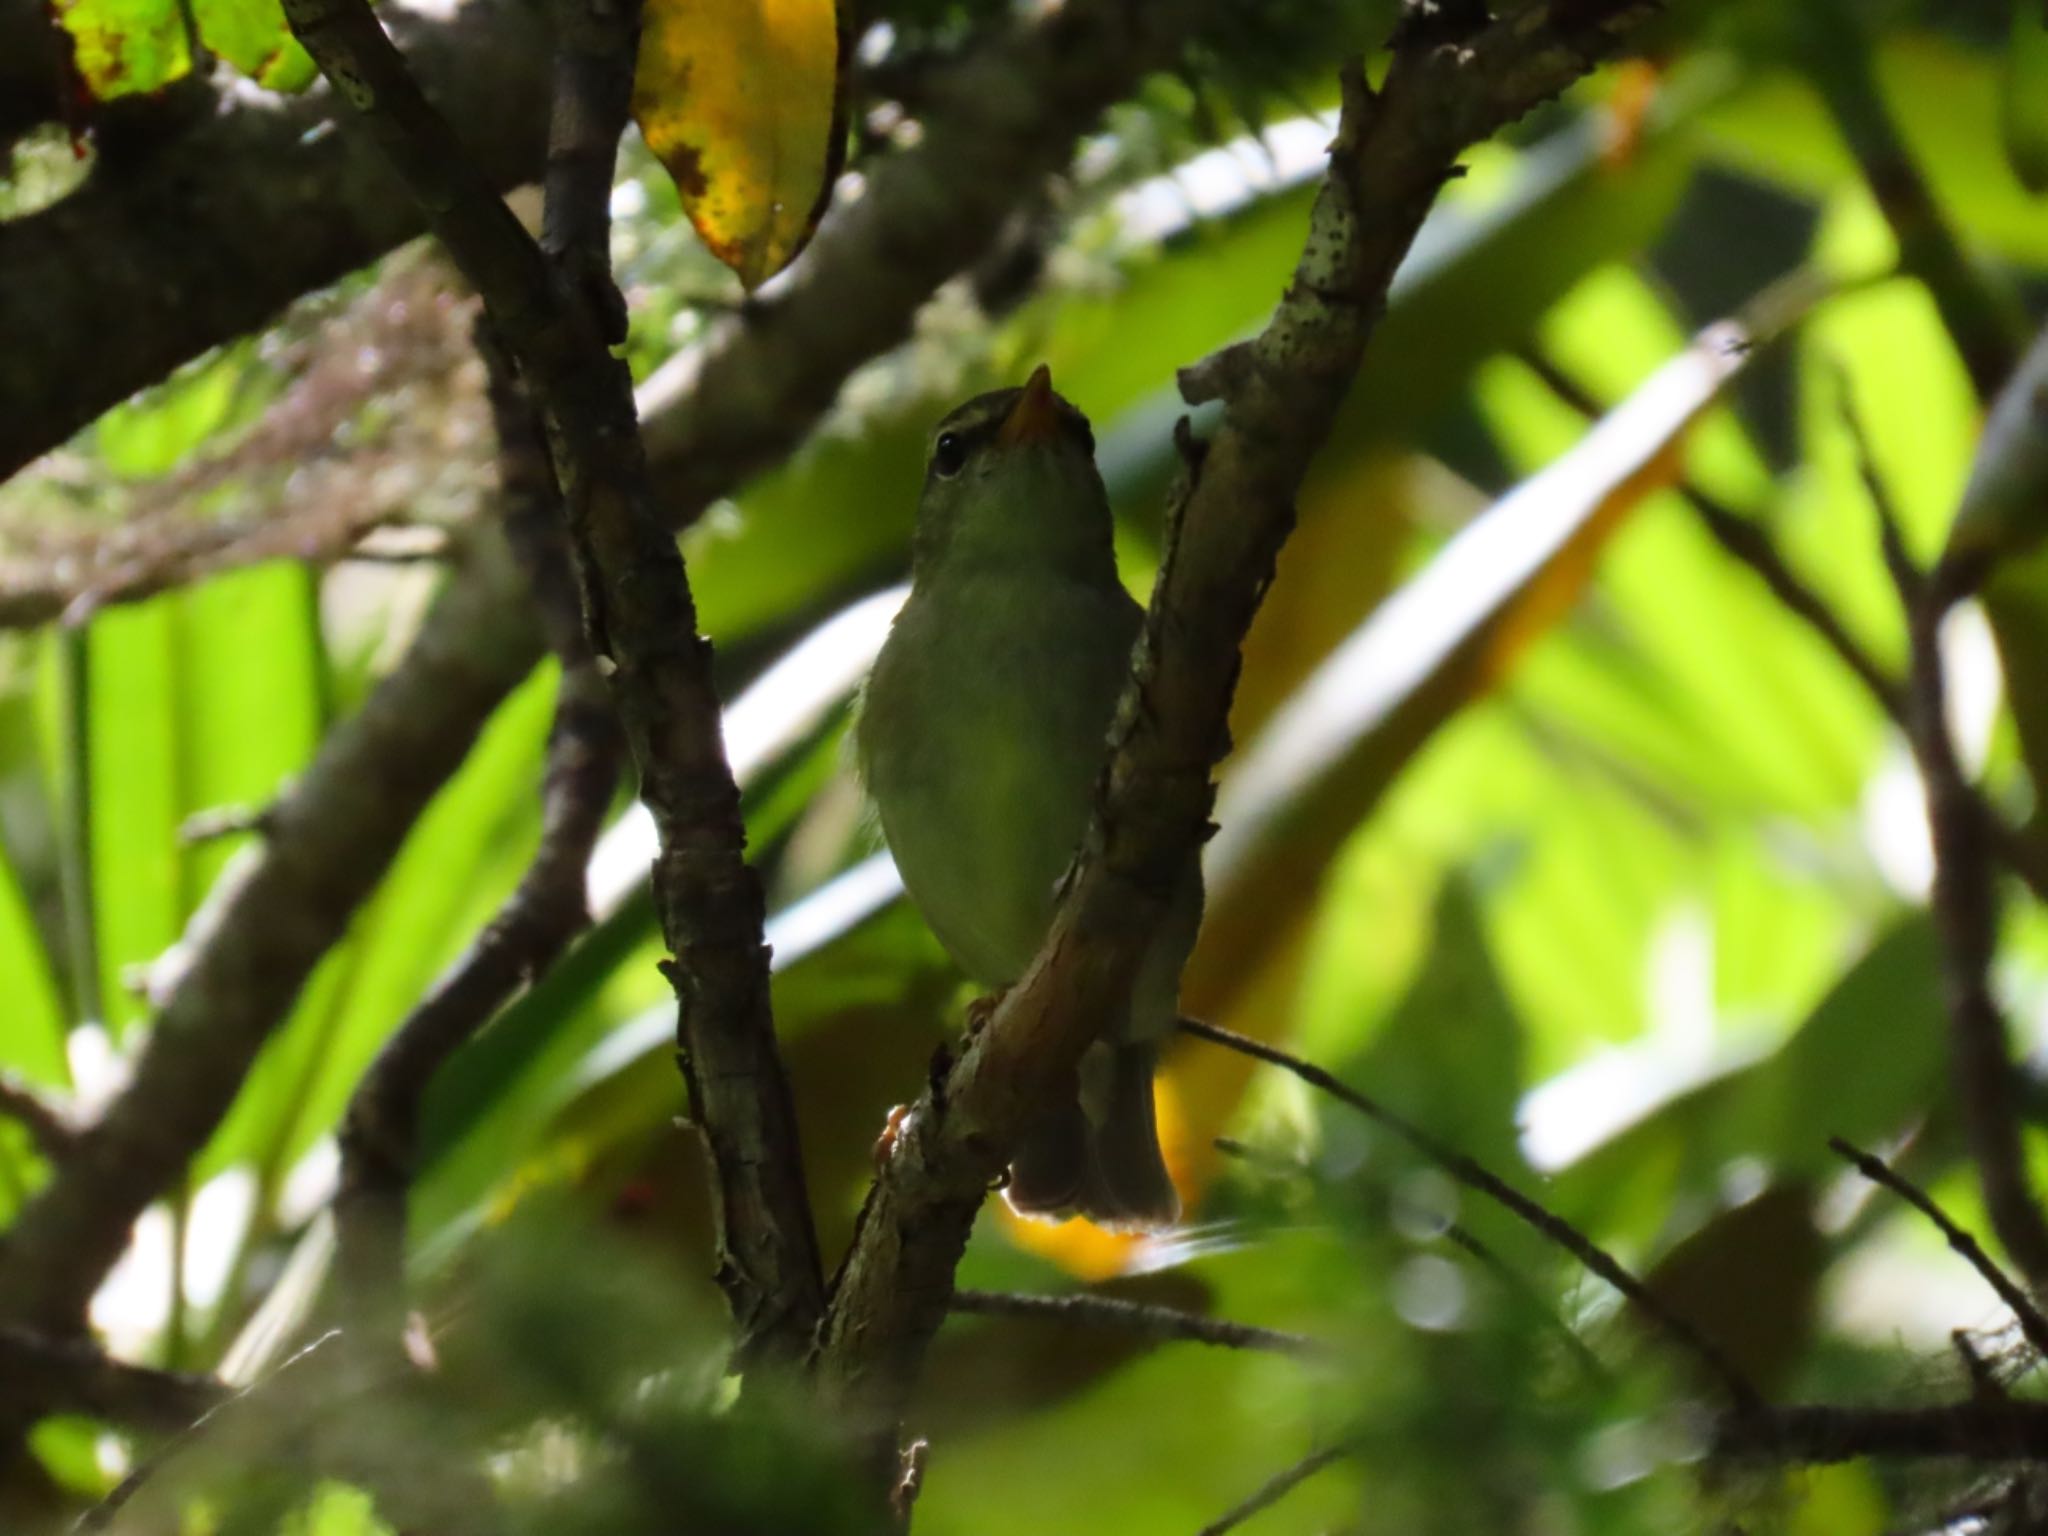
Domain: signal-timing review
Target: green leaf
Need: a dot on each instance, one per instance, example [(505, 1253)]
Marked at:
[(125, 46), (461, 859), (143, 886), (252, 36), (1871, 1052), (337, 1510), (2023, 95), (32, 1041), (152, 434), (198, 699), (1446, 637), (1775, 129), (1450, 1058)]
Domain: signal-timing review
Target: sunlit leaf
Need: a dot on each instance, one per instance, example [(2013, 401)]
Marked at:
[(125, 46), (1776, 129), (483, 823), (741, 100), (1871, 1051), (1449, 634), (143, 886), (252, 36), (32, 1041), (336, 1510)]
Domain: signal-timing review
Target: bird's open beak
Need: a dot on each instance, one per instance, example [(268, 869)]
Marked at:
[(1035, 418)]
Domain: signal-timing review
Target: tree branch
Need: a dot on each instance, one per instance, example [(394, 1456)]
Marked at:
[(1982, 1429), (334, 834), (527, 934), (34, 60), (1152, 1322), (1981, 316), (48, 1125), (1273, 1490), (39, 1375), (2032, 1325), (723, 412), (1226, 524), (640, 615), (1473, 1176), (248, 205), (1966, 918)]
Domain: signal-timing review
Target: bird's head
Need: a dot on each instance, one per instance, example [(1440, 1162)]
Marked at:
[(1011, 476)]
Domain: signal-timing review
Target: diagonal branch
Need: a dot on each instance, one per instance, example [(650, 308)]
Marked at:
[(1965, 909), (555, 321), (1001, 119), (1980, 313), (1147, 1321), (1983, 1429), (2032, 1325), (72, 1375), (1393, 152), (527, 934), (1738, 1389), (250, 203), (48, 1124), (332, 836)]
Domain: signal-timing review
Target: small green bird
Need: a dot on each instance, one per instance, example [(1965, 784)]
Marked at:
[(982, 733)]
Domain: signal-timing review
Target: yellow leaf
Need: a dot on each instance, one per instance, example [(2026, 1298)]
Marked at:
[(741, 100)]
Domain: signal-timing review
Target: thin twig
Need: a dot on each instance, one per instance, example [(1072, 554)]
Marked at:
[(101, 1516), (48, 1125), (1965, 910), (1979, 312), (1907, 576), (2032, 1324), (526, 935), (559, 315), (1274, 1489), (1741, 1394), (1458, 1236), (1152, 1322)]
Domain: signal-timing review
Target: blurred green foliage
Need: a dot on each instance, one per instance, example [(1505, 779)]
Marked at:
[(1631, 909)]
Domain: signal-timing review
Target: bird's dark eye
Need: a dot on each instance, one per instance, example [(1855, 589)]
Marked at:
[(949, 455)]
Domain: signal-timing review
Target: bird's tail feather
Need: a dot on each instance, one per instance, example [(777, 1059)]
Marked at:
[(1106, 1166)]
